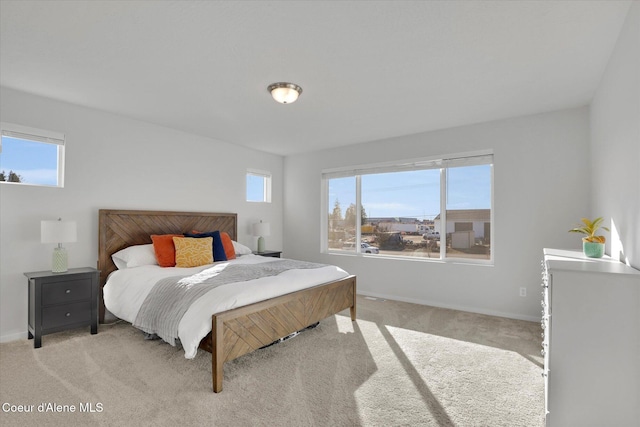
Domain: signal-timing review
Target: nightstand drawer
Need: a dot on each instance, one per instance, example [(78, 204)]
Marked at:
[(68, 314), (67, 291)]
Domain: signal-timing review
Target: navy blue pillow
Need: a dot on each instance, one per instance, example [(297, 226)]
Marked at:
[(218, 248)]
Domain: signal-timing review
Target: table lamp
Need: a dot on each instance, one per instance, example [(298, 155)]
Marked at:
[(261, 229), (58, 232)]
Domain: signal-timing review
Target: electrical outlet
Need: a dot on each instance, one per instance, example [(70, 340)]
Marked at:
[(523, 292)]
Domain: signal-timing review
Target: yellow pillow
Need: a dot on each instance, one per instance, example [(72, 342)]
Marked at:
[(192, 252)]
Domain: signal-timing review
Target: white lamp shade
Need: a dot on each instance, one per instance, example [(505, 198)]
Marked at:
[(58, 231), (261, 229)]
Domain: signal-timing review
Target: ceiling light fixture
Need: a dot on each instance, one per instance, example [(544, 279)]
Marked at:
[(285, 93)]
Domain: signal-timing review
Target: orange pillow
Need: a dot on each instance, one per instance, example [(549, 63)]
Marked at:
[(229, 251), (164, 249), (227, 244)]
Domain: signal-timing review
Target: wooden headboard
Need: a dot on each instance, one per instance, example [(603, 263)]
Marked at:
[(118, 229)]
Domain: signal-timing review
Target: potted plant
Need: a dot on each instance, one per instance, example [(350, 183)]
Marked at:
[(592, 245)]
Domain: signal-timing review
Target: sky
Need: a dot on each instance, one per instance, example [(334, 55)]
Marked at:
[(255, 188), (415, 194), (35, 162)]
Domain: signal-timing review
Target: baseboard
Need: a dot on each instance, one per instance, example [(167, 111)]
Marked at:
[(450, 306)]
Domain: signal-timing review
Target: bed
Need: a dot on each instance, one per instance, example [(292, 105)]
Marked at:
[(236, 331)]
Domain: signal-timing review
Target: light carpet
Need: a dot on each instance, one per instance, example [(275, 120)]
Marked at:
[(400, 364)]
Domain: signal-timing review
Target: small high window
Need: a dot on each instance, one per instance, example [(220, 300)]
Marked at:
[(258, 186), (31, 156)]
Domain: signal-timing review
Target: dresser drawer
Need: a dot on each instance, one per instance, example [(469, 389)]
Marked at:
[(66, 291), (68, 314)]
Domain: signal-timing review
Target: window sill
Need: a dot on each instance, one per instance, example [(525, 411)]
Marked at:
[(463, 261)]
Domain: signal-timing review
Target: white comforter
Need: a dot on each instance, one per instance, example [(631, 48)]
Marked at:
[(126, 290)]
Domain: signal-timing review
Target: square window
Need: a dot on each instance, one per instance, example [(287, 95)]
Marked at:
[(258, 186), (31, 156)]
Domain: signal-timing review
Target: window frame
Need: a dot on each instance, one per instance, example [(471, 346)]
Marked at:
[(483, 157), (266, 190), (28, 133)]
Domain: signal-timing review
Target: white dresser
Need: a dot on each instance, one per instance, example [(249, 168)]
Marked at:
[(591, 341)]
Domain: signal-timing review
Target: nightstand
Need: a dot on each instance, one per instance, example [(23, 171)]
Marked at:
[(61, 301), (273, 254)]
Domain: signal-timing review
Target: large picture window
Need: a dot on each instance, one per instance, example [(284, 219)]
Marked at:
[(31, 156), (430, 209)]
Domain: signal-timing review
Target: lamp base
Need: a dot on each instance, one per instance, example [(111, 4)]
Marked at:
[(260, 244), (59, 260)]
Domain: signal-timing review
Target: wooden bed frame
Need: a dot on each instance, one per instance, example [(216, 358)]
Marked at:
[(234, 332)]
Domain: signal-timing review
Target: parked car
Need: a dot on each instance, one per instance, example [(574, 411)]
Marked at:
[(366, 248), (430, 234)]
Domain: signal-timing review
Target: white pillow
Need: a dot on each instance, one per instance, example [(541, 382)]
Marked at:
[(135, 256), (240, 249)]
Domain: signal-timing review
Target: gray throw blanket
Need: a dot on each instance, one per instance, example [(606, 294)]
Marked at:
[(171, 297)]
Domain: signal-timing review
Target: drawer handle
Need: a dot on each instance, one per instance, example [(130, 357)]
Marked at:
[(68, 315), (68, 291)]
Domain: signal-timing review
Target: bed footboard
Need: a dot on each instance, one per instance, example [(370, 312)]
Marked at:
[(242, 330)]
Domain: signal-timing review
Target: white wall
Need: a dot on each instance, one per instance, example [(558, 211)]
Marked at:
[(541, 164), (114, 162), (615, 144)]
